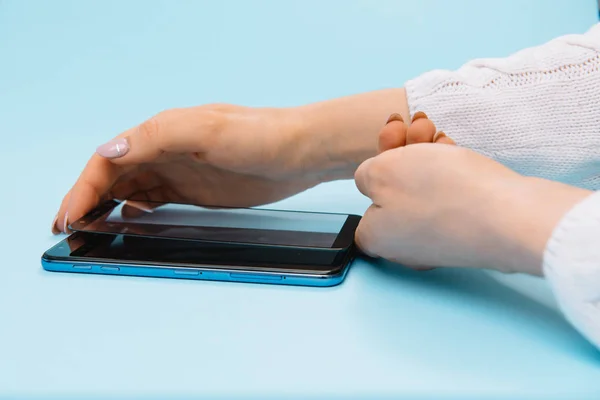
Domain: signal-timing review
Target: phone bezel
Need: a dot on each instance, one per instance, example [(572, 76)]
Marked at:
[(343, 242)]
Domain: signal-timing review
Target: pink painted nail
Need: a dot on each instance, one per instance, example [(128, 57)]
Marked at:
[(114, 149)]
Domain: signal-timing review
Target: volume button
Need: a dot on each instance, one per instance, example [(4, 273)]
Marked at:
[(185, 272)]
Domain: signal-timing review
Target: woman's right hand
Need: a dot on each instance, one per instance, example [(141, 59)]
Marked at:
[(215, 155)]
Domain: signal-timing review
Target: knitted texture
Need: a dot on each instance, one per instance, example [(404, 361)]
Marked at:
[(572, 266), (537, 111)]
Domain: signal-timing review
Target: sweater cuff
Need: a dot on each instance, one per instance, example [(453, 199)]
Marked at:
[(572, 266)]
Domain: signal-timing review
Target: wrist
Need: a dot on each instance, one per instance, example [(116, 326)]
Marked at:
[(334, 137), (526, 217)]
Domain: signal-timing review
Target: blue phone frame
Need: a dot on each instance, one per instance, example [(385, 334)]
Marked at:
[(200, 273)]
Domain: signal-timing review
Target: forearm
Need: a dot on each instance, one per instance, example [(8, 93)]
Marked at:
[(549, 228), (342, 133), (522, 220)]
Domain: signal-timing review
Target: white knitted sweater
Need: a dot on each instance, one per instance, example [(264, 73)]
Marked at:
[(537, 112)]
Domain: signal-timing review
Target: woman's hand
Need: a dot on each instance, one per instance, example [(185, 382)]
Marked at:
[(228, 155), (215, 155), (437, 205)]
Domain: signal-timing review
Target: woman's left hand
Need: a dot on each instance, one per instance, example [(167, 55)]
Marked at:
[(437, 205)]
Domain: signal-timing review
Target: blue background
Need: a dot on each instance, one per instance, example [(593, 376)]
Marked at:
[(75, 73)]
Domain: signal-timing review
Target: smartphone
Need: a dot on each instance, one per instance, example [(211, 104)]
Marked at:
[(95, 253), (308, 249), (275, 235)]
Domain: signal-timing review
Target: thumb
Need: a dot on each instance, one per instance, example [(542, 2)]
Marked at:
[(185, 130), (365, 236)]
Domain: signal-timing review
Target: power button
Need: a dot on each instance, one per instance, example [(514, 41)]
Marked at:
[(254, 277)]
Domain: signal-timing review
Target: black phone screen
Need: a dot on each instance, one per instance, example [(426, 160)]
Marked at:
[(225, 225)]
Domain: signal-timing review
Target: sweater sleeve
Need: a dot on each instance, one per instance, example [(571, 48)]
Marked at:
[(537, 111), (572, 266)]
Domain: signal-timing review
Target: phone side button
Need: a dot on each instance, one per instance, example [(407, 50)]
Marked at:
[(82, 267), (110, 269), (255, 277), (183, 272)]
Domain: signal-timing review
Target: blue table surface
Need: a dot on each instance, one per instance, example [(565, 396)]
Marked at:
[(75, 73)]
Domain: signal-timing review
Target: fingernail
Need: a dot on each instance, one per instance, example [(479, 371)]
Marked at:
[(395, 117), (114, 149), (66, 223), (55, 230), (419, 115), (442, 138), (438, 136), (446, 140)]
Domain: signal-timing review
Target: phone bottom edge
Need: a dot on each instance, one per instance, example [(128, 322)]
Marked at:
[(203, 275)]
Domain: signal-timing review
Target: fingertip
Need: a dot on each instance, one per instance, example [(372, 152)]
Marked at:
[(446, 140), (442, 138), (419, 115), (392, 135), (365, 236), (91, 189), (358, 242), (421, 130), (82, 201), (360, 177), (362, 246), (365, 253), (395, 117), (54, 228), (59, 218)]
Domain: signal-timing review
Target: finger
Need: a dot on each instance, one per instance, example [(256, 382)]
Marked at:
[(134, 209), (364, 237), (154, 199), (159, 196), (421, 129), (184, 130), (58, 223), (124, 190), (99, 173), (93, 186), (447, 140), (54, 229), (393, 134), (442, 138), (134, 183), (361, 177)]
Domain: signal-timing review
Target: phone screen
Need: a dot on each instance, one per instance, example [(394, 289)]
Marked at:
[(186, 221)]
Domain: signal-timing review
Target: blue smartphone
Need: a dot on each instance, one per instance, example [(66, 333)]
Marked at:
[(317, 253)]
